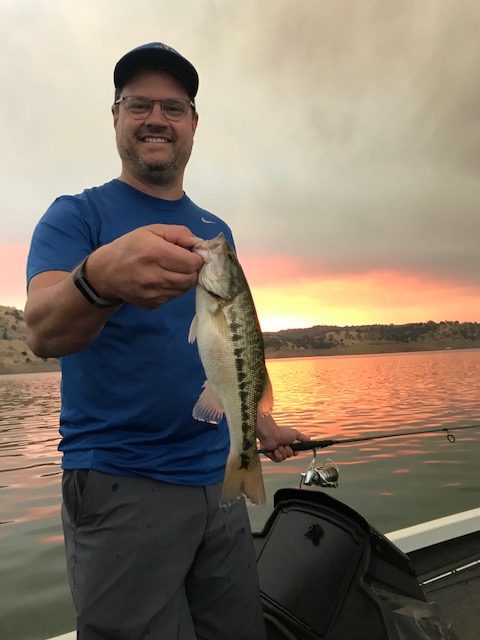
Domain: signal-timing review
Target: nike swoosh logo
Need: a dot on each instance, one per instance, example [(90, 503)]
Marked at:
[(208, 221)]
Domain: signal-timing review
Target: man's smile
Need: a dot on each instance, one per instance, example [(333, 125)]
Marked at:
[(158, 139)]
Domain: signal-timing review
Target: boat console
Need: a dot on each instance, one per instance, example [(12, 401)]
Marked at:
[(326, 574)]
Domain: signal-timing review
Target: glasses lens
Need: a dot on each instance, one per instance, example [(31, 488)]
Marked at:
[(137, 106), (174, 109)]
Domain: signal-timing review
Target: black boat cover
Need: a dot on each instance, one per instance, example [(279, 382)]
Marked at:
[(326, 574)]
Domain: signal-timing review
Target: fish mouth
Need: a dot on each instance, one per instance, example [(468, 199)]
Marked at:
[(215, 275), (210, 248), (215, 287), (216, 296)]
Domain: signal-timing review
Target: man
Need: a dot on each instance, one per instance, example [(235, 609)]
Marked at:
[(150, 552)]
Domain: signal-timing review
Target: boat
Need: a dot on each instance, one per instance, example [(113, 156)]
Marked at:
[(326, 573)]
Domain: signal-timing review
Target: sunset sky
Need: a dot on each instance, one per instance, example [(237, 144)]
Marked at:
[(339, 139)]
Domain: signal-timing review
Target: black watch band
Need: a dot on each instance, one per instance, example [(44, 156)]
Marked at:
[(88, 291)]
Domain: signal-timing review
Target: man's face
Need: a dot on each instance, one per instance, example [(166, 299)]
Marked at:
[(154, 150)]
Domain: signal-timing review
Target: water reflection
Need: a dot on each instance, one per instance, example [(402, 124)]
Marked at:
[(393, 483), (354, 396)]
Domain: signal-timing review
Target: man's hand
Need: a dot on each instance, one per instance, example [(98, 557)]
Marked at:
[(146, 267), (275, 440)]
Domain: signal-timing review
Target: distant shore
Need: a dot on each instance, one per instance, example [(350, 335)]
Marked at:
[(52, 364), (18, 368), (366, 349), (319, 340)]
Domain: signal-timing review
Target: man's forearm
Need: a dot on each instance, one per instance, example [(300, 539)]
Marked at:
[(59, 319), (146, 267)]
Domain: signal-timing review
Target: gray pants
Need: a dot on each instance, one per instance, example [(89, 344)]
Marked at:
[(154, 561)]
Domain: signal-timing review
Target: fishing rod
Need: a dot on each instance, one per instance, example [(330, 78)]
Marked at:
[(327, 474), (323, 444)]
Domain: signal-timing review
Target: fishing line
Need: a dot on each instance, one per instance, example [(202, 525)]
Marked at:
[(323, 444)]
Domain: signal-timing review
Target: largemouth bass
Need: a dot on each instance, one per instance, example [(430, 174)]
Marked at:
[(230, 345)]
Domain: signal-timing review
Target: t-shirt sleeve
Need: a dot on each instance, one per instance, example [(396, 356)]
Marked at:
[(61, 239)]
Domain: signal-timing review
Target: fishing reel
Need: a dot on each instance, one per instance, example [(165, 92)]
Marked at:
[(324, 475)]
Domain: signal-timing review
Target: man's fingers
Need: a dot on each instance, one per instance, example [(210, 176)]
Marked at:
[(303, 437), (176, 234), (281, 453), (175, 258)]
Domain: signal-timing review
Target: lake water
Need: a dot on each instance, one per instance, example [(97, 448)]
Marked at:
[(393, 483)]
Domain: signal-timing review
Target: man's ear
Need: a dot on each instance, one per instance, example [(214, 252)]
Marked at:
[(194, 122)]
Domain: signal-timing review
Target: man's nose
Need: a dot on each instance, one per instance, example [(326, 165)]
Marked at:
[(156, 115)]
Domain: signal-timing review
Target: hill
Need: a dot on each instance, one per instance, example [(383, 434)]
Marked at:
[(375, 338), (16, 356)]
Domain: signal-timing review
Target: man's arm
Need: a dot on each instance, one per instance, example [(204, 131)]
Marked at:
[(146, 267), (59, 319)]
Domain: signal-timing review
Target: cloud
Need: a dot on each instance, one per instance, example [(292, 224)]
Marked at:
[(383, 297), (355, 142), (342, 137), (12, 274)]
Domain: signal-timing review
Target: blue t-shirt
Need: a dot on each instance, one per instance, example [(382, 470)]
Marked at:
[(127, 399)]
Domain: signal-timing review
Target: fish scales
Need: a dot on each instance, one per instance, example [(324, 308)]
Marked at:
[(231, 348), (250, 367)]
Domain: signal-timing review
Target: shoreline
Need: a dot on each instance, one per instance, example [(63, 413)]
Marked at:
[(366, 350), (315, 341), (44, 367), (283, 354)]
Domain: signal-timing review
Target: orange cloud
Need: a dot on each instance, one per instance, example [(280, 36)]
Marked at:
[(289, 298), (13, 258), (287, 295)]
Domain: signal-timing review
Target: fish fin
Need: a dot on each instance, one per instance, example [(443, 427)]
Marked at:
[(265, 405), (192, 333), (247, 481), (207, 407)]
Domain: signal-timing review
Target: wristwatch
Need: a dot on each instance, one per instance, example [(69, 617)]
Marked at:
[(88, 291)]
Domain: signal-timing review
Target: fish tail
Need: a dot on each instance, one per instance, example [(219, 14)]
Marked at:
[(239, 480)]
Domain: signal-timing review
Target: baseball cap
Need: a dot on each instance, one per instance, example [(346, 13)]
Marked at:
[(156, 54)]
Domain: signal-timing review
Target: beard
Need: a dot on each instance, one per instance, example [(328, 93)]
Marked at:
[(156, 173), (163, 172)]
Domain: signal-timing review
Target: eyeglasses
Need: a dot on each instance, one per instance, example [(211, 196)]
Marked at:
[(139, 107)]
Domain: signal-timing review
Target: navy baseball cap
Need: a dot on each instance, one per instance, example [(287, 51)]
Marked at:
[(156, 54)]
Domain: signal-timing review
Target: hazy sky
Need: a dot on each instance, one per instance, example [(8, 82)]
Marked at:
[(340, 139)]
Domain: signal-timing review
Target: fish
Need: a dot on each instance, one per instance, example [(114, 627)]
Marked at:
[(231, 349)]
